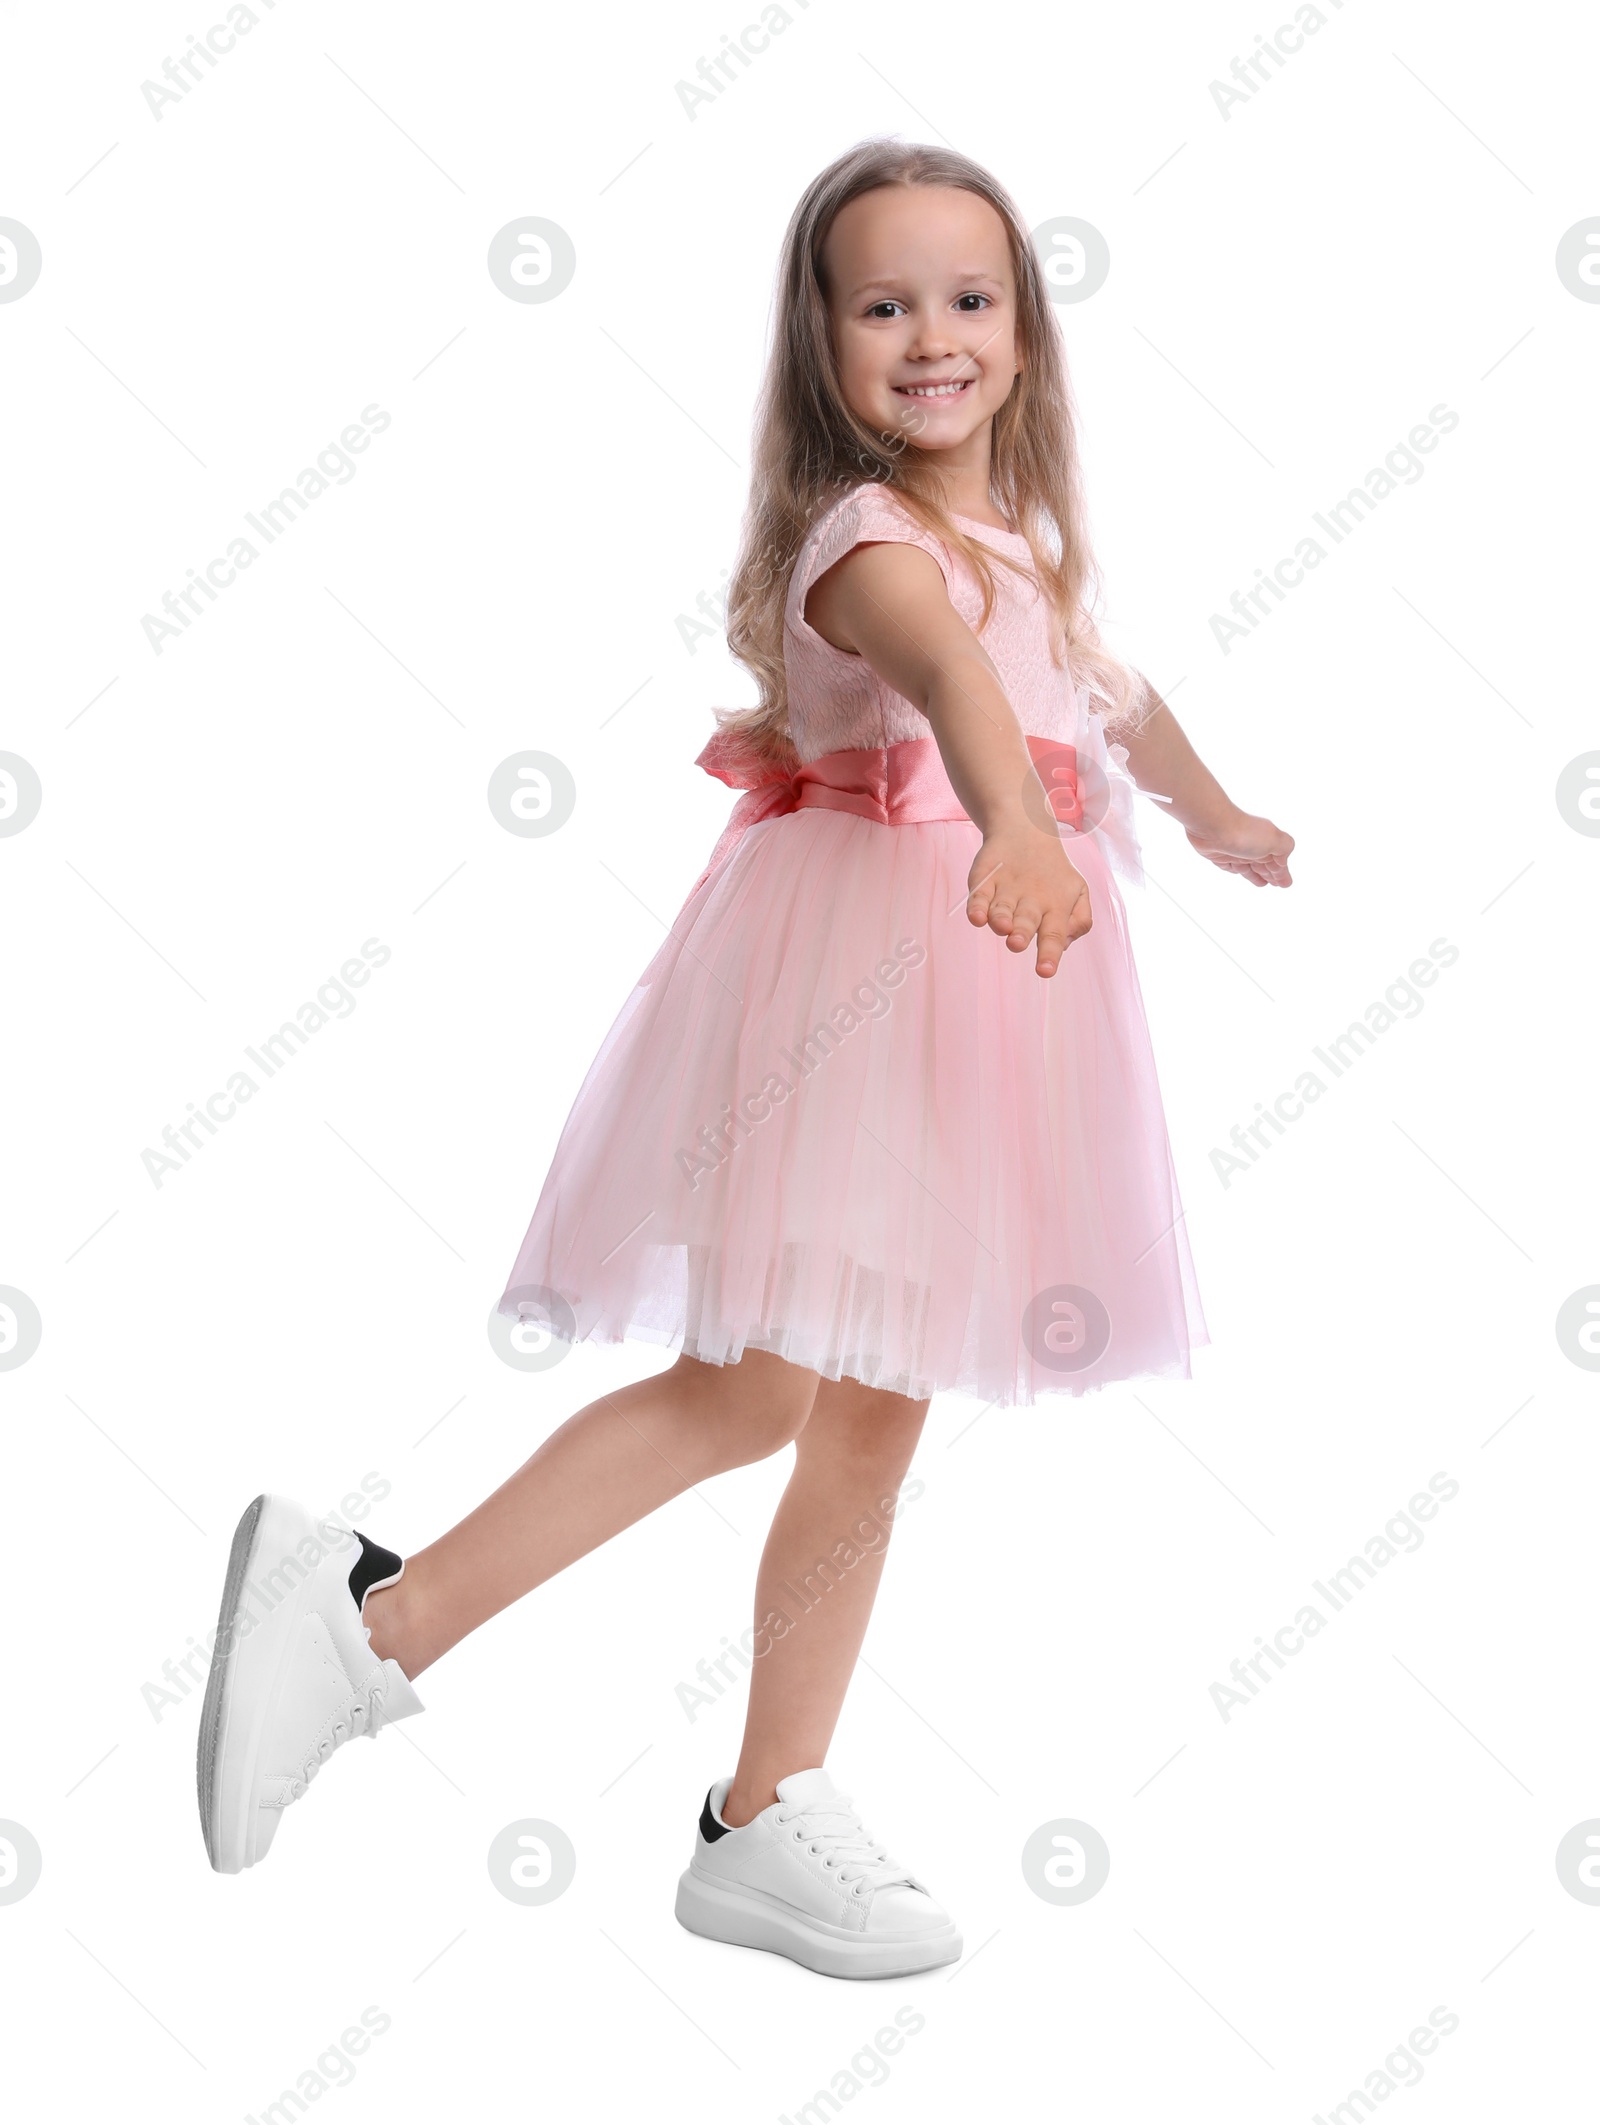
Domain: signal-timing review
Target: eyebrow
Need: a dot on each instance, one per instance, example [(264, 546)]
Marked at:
[(966, 280)]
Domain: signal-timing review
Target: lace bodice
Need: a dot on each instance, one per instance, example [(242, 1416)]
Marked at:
[(837, 702)]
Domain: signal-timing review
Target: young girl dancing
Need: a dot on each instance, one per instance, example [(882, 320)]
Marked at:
[(880, 1118)]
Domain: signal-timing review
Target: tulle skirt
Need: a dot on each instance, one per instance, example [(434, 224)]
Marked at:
[(837, 1122)]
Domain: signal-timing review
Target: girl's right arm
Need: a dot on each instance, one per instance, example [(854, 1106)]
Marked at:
[(887, 602)]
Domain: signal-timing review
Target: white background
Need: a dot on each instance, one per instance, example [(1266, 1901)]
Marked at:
[(1292, 288)]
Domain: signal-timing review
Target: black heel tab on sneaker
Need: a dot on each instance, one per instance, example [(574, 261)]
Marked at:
[(375, 1566), (710, 1828)]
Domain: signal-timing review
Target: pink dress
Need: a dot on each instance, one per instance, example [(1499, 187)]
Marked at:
[(836, 1121)]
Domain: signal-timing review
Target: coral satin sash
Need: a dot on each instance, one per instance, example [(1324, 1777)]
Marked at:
[(896, 785)]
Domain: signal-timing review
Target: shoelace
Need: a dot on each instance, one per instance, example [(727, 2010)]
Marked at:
[(363, 1716), (833, 1829)]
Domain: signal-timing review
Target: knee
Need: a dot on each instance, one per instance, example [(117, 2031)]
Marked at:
[(750, 1409), (756, 1434), (867, 1430)]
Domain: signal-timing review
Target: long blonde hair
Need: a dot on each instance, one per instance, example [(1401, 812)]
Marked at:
[(810, 448)]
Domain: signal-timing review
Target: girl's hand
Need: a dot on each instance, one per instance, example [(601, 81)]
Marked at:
[(1022, 886), (1255, 848)]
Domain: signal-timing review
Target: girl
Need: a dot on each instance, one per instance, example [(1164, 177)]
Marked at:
[(845, 1144)]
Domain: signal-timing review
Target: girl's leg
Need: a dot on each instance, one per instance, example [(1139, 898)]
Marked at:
[(608, 1466), (849, 1462)]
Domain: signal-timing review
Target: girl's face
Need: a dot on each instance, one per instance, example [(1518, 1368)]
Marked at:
[(922, 304)]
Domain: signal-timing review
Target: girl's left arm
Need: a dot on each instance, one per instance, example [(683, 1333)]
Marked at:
[(1165, 765)]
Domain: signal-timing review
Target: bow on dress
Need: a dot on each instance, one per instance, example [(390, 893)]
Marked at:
[(897, 785)]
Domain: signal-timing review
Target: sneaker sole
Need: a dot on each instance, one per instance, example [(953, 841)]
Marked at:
[(719, 1912), (216, 1681), (246, 1669)]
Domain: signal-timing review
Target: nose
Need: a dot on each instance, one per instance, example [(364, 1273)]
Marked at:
[(933, 338)]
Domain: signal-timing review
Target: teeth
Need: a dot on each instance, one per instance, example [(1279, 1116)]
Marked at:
[(933, 390)]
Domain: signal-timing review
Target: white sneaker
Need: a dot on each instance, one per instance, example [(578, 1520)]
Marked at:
[(804, 1879), (293, 1673)]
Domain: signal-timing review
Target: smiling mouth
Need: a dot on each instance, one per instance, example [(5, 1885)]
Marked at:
[(951, 388)]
